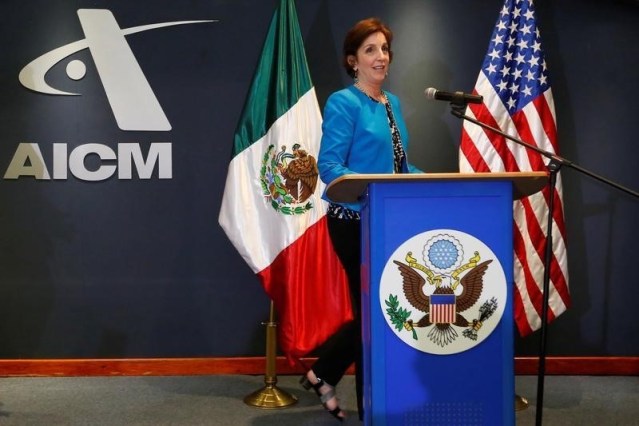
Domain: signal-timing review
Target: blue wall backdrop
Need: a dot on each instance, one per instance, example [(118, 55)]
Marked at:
[(139, 267)]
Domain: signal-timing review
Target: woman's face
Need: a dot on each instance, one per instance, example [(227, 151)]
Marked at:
[(372, 59)]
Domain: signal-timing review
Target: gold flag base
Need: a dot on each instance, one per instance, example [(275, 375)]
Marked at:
[(521, 403), (270, 396)]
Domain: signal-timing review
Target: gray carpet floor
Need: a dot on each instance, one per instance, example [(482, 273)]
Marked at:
[(218, 400)]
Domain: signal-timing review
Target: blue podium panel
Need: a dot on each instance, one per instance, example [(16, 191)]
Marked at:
[(437, 303)]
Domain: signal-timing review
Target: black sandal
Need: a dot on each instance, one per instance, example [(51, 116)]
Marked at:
[(324, 397)]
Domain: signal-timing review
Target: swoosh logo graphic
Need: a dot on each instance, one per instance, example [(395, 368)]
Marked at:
[(32, 75)]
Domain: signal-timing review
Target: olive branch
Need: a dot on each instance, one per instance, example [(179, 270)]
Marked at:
[(399, 316)]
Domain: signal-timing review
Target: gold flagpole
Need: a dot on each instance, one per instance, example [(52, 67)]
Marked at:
[(521, 403), (270, 396)]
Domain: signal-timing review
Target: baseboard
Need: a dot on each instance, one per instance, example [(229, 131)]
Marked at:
[(580, 366), (573, 366)]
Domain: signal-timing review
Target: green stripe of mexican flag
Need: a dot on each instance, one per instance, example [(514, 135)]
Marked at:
[(272, 209)]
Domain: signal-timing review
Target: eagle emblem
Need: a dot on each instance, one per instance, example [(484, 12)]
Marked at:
[(289, 179), (443, 296), (442, 308)]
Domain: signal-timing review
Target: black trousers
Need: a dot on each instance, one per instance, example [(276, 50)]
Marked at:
[(345, 346)]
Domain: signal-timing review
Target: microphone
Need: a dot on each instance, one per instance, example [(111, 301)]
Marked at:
[(457, 98)]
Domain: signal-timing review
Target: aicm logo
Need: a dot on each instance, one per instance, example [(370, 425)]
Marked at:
[(134, 105)]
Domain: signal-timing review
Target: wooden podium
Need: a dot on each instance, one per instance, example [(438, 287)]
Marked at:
[(437, 276)]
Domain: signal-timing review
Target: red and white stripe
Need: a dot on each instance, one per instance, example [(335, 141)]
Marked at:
[(485, 151), (442, 313)]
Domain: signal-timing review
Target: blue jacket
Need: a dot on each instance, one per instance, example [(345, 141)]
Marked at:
[(356, 137)]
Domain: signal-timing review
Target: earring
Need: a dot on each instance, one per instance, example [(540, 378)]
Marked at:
[(355, 77)]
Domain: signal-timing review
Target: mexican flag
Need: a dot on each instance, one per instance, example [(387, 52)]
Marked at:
[(272, 209)]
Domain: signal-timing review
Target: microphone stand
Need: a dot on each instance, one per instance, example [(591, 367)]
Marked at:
[(554, 165)]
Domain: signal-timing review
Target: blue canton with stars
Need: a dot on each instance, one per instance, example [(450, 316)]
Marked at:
[(515, 63), (443, 254)]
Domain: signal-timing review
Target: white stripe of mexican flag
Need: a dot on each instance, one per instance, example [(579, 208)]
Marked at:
[(257, 230)]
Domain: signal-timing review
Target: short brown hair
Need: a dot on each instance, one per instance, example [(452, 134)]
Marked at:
[(356, 36)]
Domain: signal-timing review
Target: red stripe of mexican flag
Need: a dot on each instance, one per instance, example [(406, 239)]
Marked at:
[(272, 209)]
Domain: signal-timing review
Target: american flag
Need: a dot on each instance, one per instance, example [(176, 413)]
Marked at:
[(518, 100), (442, 308)]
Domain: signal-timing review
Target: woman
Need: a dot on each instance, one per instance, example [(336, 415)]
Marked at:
[(363, 132)]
